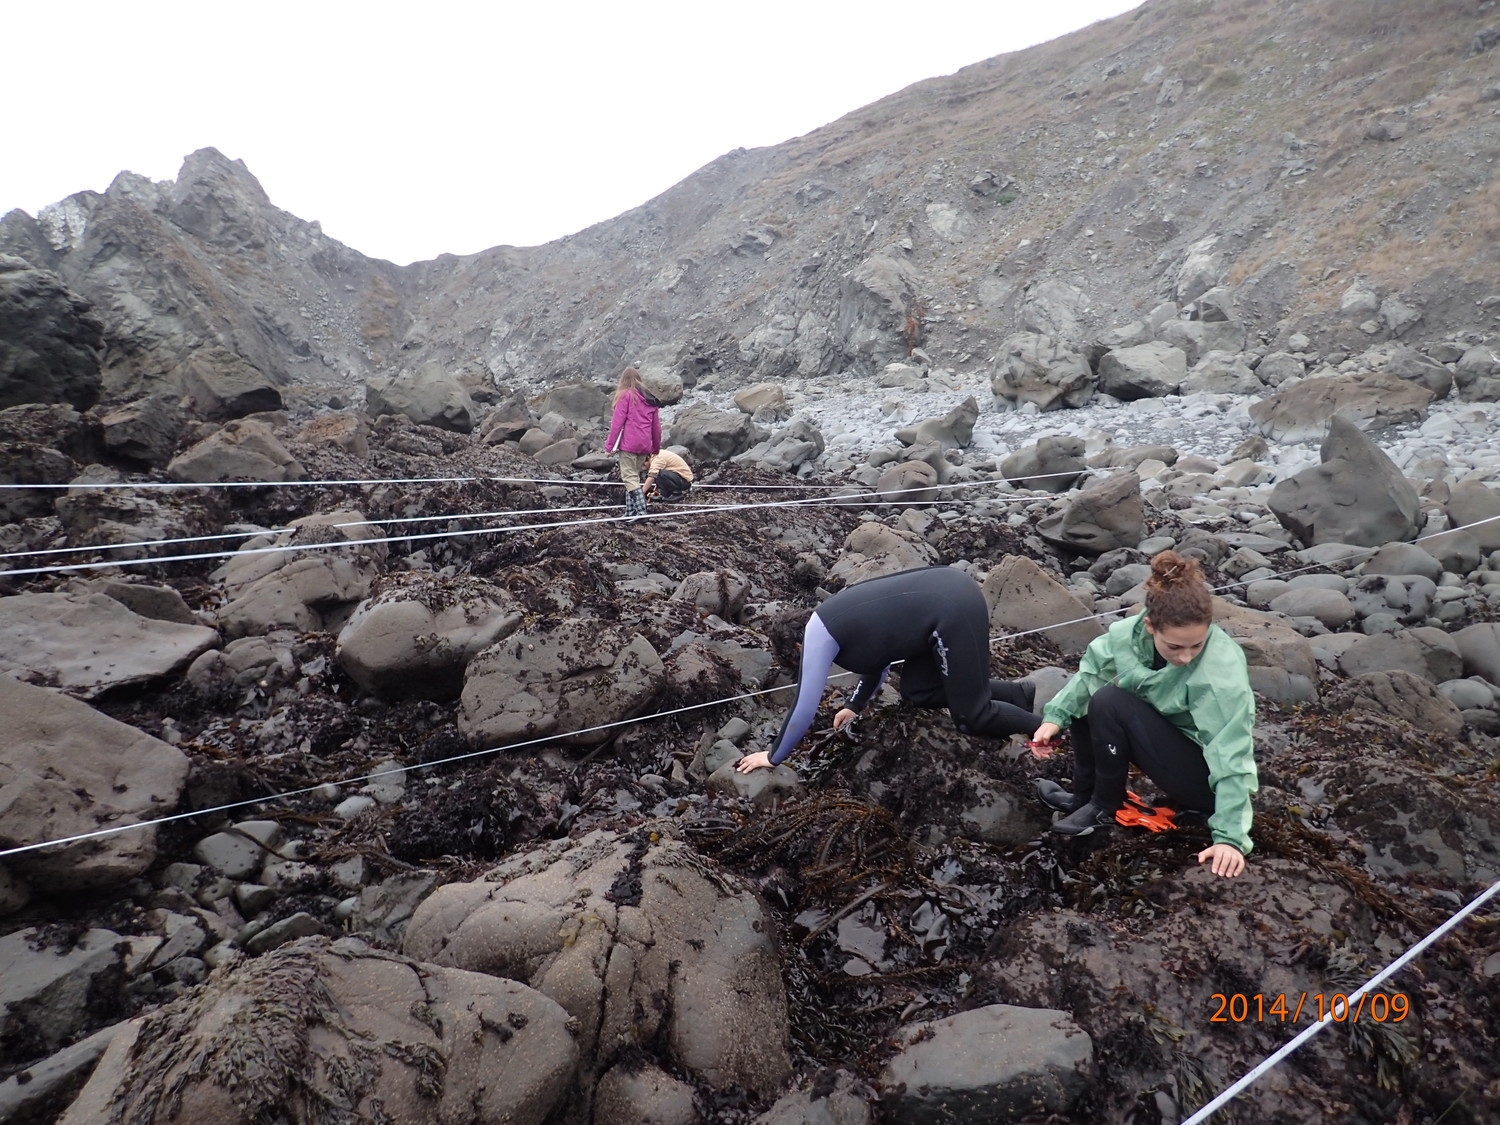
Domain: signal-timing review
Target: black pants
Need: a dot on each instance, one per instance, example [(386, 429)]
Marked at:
[(670, 485), (1120, 729), (954, 674)]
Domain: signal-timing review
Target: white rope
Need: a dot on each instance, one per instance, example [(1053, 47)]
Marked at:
[(564, 481), (283, 530), (680, 510), (277, 797), (1335, 1013)]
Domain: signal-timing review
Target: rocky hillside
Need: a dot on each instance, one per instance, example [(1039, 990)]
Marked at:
[(1289, 149)]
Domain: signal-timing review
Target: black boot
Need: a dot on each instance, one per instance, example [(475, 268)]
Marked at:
[(1055, 796), (1084, 820)]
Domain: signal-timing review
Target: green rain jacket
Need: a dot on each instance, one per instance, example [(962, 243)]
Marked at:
[(1208, 699)]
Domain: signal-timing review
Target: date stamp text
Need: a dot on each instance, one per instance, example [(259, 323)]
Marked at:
[(1282, 1007)]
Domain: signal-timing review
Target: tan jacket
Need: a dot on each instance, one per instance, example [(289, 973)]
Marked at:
[(666, 459)]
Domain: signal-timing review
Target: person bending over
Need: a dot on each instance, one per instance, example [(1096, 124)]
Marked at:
[(936, 620), (668, 476), (1168, 691)]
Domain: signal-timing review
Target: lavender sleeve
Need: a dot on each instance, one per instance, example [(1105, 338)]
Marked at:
[(818, 652)]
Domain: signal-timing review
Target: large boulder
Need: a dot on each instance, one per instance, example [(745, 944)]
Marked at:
[(1024, 598), (66, 770), (50, 989), (908, 484), (873, 549), (1478, 374), (564, 680), (953, 430), (1144, 371), (1400, 695), (1370, 401), (429, 396), (1221, 373), (50, 340), (1356, 495), (316, 1024), (1427, 653), (1053, 464), (222, 385), (245, 449), (1479, 645), (1035, 368), (1282, 666), (415, 636), (996, 1063), (1198, 338), (1108, 513), (643, 944), (145, 432), (269, 584), (1475, 506), (712, 435), (88, 644)]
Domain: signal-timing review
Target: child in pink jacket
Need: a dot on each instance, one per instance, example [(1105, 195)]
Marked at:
[(634, 433)]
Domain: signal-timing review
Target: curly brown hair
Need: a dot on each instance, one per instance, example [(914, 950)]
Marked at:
[(785, 634), (1176, 593)]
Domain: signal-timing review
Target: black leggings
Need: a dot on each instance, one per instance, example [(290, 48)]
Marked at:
[(1120, 729), (953, 673)]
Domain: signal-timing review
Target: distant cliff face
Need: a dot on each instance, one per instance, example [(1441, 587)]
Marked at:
[(1293, 151)]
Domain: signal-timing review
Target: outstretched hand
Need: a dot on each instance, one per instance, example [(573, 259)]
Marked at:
[(760, 760), (1041, 740), (1223, 859)]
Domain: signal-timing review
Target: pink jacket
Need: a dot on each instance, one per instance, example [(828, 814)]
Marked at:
[(635, 426)]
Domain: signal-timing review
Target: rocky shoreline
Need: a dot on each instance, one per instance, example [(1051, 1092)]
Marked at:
[(637, 930)]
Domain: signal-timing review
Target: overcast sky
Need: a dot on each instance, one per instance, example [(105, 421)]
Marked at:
[(439, 126)]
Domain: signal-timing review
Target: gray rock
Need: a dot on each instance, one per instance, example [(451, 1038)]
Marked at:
[(1473, 693), (712, 435), (1479, 645), (429, 396), (953, 430), (1355, 496), (1475, 507), (43, 1090), (539, 682), (51, 342), (221, 385), (719, 592), (88, 644), (304, 591), (1330, 607), (1408, 598), (683, 955), (145, 431), (630, 1095), (239, 852), (339, 1023), (1400, 695), (993, 1063), (764, 788), (1039, 369), (414, 639), (1024, 597), (1427, 653), (1144, 371), (70, 771), (1282, 666), (1052, 464), (908, 484), (873, 549), (1221, 373), (1108, 513), (1370, 401), (48, 988), (244, 449), (1403, 559), (842, 1105)]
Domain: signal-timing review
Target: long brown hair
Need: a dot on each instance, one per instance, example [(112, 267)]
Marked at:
[(1176, 593), (630, 380)]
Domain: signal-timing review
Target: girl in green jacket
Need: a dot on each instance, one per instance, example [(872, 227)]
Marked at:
[(1168, 691)]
